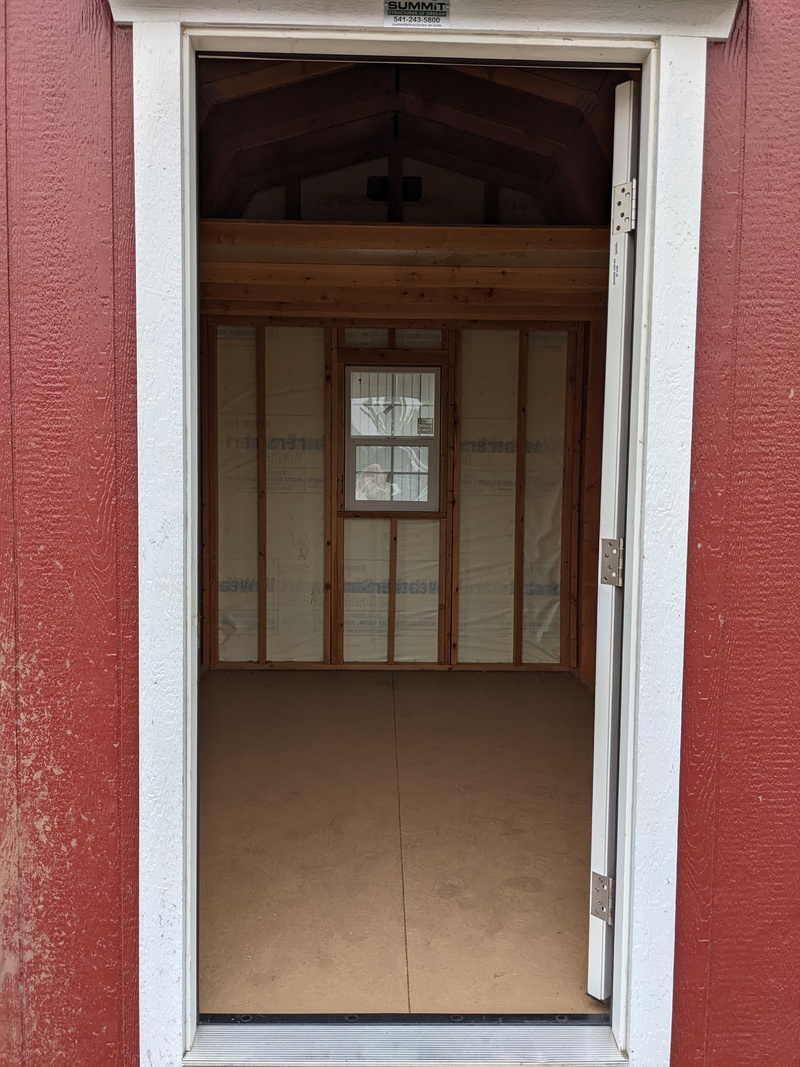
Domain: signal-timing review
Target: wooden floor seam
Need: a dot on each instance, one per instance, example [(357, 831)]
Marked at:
[(400, 843)]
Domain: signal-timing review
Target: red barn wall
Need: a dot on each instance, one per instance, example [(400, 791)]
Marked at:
[(68, 554), (68, 567), (737, 998)]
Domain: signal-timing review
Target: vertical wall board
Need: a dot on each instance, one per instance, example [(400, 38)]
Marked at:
[(11, 1002), (75, 657), (738, 951), (708, 557), (127, 545)]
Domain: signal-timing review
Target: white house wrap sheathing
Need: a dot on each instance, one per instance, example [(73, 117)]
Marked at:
[(295, 450), (366, 590), (294, 447), (489, 374), (544, 479), (416, 630), (237, 489)]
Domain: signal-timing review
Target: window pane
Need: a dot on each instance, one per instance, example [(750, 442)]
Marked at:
[(369, 337), (410, 488), (410, 473), (398, 474), (373, 472), (392, 403)]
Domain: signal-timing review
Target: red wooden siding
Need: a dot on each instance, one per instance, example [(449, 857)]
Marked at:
[(69, 640), (68, 555), (737, 995)]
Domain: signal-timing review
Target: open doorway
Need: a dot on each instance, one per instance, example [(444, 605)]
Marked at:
[(402, 435)]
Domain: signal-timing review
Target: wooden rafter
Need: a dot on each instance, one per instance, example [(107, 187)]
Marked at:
[(249, 78), (544, 133)]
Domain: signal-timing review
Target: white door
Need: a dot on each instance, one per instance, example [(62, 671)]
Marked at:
[(612, 526)]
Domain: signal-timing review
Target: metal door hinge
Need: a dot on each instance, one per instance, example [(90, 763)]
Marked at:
[(611, 560), (623, 208), (603, 898)]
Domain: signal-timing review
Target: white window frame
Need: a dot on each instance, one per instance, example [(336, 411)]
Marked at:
[(433, 443), (668, 38)]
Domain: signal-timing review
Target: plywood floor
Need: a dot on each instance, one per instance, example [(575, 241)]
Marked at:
[(394, 842)]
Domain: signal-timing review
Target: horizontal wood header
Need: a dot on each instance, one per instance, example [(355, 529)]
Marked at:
[(362, 271)]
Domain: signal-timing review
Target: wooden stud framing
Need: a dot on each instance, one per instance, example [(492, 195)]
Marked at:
[(456, 498), (467, 317), (331, 580), (584, 374), (492, 274), (303, 665), (440, 358), (261, 431), (248, 277), (447, 415), (213, 509), (466, 240), (442, 619), (392, 606), (519, 516), (206, 493), (337, 451)]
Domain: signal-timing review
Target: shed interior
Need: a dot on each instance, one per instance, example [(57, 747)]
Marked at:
[(403, 279)]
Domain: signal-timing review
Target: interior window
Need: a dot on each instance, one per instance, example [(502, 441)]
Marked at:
[(392, 454)]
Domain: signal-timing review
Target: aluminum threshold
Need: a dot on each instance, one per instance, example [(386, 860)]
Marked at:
[(307, 1045)]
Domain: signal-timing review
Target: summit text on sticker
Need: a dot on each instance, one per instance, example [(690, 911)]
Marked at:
[(421, 14)]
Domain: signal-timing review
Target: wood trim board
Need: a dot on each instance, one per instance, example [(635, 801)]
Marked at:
[(434, 272)]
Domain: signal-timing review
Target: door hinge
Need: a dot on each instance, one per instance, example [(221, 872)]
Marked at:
[(603, 898), (623, 208), (612, 560)]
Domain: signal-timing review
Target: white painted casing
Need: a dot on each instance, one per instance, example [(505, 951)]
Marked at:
[(668, 38)]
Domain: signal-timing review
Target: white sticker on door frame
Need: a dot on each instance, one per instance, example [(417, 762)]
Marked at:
[(418, 14)]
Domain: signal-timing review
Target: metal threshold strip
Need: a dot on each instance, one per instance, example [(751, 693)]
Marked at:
[(398, 1044)]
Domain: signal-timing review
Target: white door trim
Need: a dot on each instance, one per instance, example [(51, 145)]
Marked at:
[(613, 502), (673, 91)]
